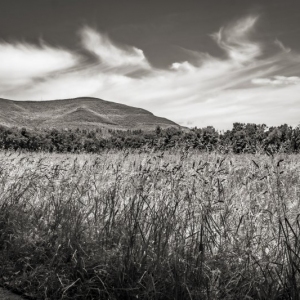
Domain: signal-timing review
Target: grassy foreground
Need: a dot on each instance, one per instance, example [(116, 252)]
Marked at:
[(150, 226)]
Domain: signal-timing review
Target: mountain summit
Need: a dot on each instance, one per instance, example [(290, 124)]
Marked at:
[(82, 112)]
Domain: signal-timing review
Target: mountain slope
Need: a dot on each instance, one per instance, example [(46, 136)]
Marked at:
[(78, 113)]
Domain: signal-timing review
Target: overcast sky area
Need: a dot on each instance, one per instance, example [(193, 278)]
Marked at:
[(198, 63)]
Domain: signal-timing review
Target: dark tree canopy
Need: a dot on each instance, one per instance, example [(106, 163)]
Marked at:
[(243, 138)]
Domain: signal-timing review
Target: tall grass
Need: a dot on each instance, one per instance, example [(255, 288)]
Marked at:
[(150, 226)]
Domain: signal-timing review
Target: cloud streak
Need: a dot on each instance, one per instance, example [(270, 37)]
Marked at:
[(20, 63), (110, 55), (238, 86), (235, 40), (277, 80)]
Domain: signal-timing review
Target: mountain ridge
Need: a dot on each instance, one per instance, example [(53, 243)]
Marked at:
[(81, 112)]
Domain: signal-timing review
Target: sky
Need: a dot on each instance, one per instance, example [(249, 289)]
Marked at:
[(199, 63)]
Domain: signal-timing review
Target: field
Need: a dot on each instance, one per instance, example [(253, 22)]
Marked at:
[(129, 225)]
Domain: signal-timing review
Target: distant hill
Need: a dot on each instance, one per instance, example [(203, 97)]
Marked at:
[(78, 113)]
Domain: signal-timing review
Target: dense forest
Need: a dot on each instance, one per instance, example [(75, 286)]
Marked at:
[(242, 138)]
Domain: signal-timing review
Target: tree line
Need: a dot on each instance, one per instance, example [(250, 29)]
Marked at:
[(242, 138)]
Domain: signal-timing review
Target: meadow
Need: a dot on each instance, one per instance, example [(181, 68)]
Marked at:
[(156, 225)]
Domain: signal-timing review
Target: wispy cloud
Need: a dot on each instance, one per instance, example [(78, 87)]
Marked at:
[(282, 46), (235, 40), (239, 86), (111, 55), (277, 80), (21, 62)]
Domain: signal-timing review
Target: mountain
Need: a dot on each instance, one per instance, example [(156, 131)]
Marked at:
[(81, 113)]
